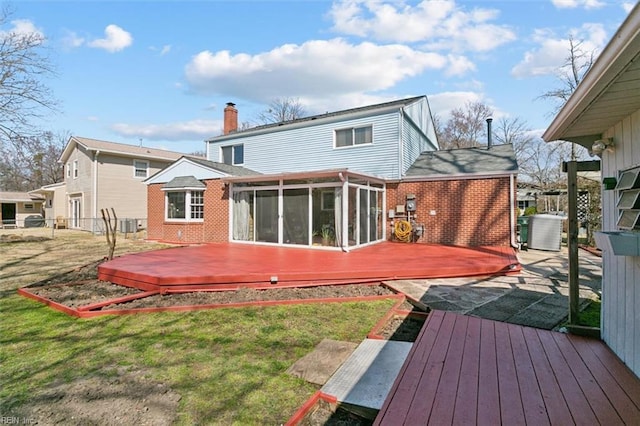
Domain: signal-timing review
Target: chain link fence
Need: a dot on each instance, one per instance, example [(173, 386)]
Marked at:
[(130, 228)]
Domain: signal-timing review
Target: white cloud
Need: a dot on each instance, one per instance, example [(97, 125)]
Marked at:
[(627, 6), (315, 68), (23, 27), (115, 39), (552, 51), (573, 4), (162, 50), (196, 130), (438, 24), (442, 103), (72, 40)]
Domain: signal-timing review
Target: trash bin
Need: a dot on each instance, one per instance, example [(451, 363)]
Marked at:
[(523, 229), (545, 232)]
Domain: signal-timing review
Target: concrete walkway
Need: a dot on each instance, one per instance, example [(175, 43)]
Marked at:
[(537, 297)]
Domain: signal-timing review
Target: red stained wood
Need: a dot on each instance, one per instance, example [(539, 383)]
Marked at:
[(233, 265), (474, 371)]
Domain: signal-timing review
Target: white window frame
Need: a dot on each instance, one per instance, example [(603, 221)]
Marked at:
[(187, 205), (68, 170), (353, 136), (75, 169), (136, 168), (233, 154)]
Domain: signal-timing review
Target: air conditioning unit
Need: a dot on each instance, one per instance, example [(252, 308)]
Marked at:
[(128, 226)]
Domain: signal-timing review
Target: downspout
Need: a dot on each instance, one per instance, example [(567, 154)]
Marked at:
[(95, 191), (401, 144), (512, 225)]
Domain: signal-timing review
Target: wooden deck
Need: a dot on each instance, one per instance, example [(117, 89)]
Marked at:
[(464, 370), (232, 265)]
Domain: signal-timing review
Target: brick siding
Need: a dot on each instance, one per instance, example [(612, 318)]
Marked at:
[(213, 229), (466, 212)]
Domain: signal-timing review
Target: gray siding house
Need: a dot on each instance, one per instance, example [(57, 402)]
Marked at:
[(103, 175), (603, 115), (380, 140)]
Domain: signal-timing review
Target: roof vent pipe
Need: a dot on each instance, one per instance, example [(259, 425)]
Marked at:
[(489, 133)]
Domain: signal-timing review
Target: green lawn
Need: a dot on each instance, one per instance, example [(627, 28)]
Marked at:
[(227, 364)]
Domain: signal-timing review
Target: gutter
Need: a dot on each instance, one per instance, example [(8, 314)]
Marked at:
[(512, 225), (461, 176)]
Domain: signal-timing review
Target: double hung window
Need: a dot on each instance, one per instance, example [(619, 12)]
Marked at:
[(233, 154), (354, 136)]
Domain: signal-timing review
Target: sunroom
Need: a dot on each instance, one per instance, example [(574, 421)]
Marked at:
[(332, 209)]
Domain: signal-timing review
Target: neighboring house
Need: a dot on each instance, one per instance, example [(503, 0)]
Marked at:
[(54, 202), (16, 207), (342, 179), (603, 115), (527, 196), (104, 175)]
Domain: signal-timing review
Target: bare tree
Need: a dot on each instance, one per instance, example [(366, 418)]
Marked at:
[(23, 66), (466, 127), (281, 110), (570, 73), (110, 224), (30, 162)]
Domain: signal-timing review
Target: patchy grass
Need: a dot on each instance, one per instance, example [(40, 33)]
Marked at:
[(228, 365), (590, 316)]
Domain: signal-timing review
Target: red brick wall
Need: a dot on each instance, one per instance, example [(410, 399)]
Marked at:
[(213, 229), (468, 212)]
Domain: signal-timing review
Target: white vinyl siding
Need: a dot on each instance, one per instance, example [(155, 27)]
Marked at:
[(621, 274), (311, 148)]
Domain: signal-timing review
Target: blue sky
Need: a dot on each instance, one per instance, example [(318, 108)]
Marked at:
[(162, 71)]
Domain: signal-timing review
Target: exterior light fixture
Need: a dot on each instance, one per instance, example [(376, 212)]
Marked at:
[(602, 145)]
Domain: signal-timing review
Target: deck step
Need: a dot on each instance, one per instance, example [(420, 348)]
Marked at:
[(366, 377)]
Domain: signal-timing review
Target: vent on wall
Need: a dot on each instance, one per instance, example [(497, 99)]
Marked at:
[(628, 189)]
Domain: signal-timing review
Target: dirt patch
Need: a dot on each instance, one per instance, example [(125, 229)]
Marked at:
[(404, 329), (325, 414), (123, 397), (118, 397)]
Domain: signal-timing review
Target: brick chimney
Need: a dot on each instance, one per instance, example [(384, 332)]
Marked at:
[(230, 118)]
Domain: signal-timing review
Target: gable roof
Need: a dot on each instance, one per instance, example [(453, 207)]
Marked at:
[(199, 169), (609, 92), (19, 197), (184, 182), (118, 149), (224, 168), (386, 106), (497, 160)]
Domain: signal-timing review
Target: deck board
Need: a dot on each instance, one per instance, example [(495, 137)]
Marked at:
[(465, 370), (467, 395), (230, 266), (511, 410)]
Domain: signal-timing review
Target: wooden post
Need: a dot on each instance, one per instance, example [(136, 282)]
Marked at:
[(572, 168), (572, 242)]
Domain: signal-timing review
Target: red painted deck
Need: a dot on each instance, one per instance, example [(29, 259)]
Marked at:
[(230, 266), (466, 370)]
